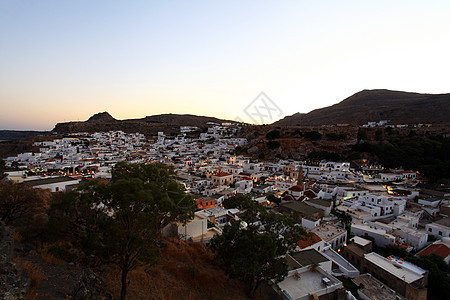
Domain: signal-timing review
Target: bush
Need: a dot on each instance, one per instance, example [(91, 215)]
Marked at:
[(313, 135), (362, 135), (427, 155), (273, 145), (35, 273), (274, 134), (62, 251), (379, 135), (336, 137), (324, 155)]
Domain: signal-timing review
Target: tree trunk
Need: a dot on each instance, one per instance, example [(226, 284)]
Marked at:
[(253, 288), (123, 291)]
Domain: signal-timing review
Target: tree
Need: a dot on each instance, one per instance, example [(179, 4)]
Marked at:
[(2, 169), (427, 154), (274, 134), (438, 281), (262, 179), (336, 137), (253, 250), (274, 199), (19, 202), (379, 135), (250, 209), (120, 222), (362, 135), (313, 135), (320, 155), (273, 145)]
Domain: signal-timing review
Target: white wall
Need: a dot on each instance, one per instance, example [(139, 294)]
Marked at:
[(194, 228), (381, 238)]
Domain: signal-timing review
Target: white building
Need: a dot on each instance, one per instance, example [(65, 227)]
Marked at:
[(331, 234), (55, 184), (381, 237), (439, 229)]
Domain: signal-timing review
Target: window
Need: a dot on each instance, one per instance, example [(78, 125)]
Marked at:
[(430, 230), (440, 232)]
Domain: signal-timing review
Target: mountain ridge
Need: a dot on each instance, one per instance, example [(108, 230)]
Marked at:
[(375, 105), (148, 125)]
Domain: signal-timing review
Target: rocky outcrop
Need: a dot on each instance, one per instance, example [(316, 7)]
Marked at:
[(12, 284), (69, 282), (294, 142), (101, 117), (62, 281)]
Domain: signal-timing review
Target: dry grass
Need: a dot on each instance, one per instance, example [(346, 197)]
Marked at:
[(34, 272), (17, 237), (50, 259), (185, 272)]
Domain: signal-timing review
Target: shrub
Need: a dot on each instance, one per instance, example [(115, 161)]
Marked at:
[(274, 134), (313, 135), (35, 273), (320, 155), (273, 144), (336, 137)]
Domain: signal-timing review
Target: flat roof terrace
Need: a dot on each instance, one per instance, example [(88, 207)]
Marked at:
[(374, 289), (404, 271), (300, 283)]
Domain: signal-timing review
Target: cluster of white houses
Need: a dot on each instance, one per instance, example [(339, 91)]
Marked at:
[(388, 208)]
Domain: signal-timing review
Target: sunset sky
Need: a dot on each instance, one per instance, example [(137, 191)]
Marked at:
[(67, 60)]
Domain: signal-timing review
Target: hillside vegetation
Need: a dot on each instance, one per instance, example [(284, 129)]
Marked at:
[(426, 150), (430, 155), (186, 271)]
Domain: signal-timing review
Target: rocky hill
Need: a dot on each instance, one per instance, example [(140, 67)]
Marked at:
[(149, 125), (103, 117), (376, 105), (297, 142), (14, 147), (12, 135)]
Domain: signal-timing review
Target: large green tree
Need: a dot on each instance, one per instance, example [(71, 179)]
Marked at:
[(120, 222), (253, 249), (438, 279)]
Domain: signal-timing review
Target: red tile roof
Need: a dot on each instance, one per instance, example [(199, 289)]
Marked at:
[(222, 174), (295, 188), (245, 174), (288, 198), (309, 194), (314, 238), (439, 249)]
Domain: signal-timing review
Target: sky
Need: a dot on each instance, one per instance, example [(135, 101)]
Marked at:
[(67, 60)]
